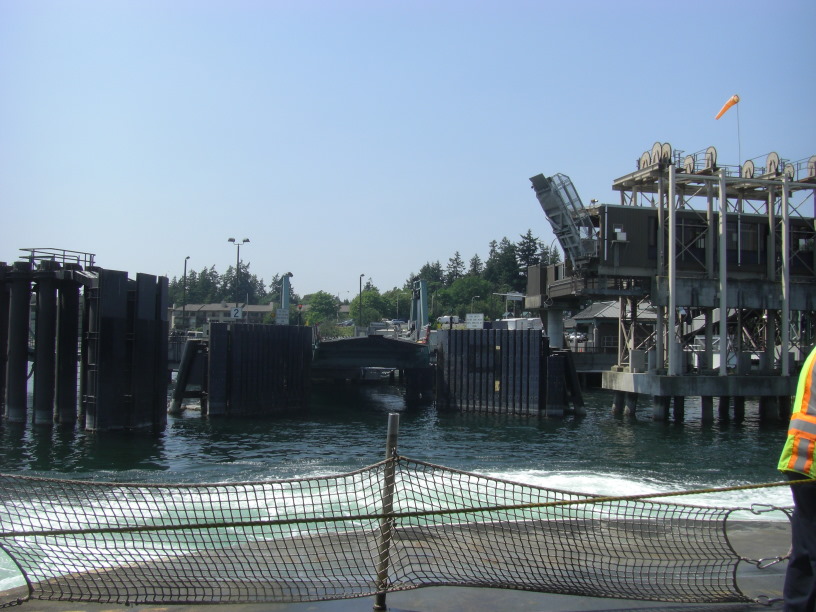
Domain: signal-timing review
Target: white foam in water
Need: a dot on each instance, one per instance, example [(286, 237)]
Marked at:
[(618, 485)]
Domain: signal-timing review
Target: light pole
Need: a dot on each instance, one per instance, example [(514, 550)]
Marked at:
[(184, 303), (550, 250), (361, 299), (237, 265), (471, 301)]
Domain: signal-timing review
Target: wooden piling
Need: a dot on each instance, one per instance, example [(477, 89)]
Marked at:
[(17, 364), (45, 343), (67, 356), (4, 328)]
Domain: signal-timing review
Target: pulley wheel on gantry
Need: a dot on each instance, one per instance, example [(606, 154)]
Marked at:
[(710, 158), (772, 164)]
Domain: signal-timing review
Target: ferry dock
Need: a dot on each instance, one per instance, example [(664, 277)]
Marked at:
[(713, 269)]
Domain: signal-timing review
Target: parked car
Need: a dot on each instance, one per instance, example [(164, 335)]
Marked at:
[(576, 336)]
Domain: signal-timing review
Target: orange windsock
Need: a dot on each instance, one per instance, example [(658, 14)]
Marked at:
[(731, 102)]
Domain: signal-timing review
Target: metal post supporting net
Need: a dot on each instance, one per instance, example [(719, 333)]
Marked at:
[(327, 538)]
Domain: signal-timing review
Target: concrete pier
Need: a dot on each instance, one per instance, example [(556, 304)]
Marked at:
[(773, 393)]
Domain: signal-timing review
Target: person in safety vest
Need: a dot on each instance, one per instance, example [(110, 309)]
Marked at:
[(797, 463)]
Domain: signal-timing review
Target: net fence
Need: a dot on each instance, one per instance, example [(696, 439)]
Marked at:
[(395, 525)]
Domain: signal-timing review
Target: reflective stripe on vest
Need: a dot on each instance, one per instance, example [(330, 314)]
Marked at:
[(803, 431), (808, 404)]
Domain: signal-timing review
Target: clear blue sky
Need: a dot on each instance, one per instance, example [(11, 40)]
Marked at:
[(349, 137)]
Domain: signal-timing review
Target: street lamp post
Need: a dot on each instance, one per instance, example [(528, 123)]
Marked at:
[(184, 302), (361, 299), (237, 265), (471, 301), (550, 251)]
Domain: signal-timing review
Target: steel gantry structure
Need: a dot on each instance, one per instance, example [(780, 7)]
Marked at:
[(724, 256)]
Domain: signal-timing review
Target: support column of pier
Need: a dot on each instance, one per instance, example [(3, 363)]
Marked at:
[(618, 401), (660, 311), (630, 409), (723, 274), (711, 273), (784, 404), (67, 355), (769, 409), (660, 407), (679, 407), (672, 347), (739, 409), (723, 408), (707, 409), (45, 344), (17, 365), (785, 280)]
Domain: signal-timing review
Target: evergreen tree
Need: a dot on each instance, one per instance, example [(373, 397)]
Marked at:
[(455, 269), (527, 254), (493, 250), (502, 268), (476, 267), (527, 250), (432, 274)]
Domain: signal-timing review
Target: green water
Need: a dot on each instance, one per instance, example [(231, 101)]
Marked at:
[(345, 429)]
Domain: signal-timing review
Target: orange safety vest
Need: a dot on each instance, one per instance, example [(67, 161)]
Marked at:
[(797, 455)]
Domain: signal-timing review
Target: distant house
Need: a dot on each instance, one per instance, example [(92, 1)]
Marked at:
[(600, 321), (197, 315)]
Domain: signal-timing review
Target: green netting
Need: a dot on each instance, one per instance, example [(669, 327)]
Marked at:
[(333, 537)]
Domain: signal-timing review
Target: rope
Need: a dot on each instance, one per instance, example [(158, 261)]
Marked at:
[(398, 515)]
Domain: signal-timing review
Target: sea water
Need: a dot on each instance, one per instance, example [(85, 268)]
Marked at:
[(345, 429)]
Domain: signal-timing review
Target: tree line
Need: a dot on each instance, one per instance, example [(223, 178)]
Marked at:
[(455, 289)]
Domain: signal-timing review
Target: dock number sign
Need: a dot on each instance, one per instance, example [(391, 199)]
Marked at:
[(237, 313)]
